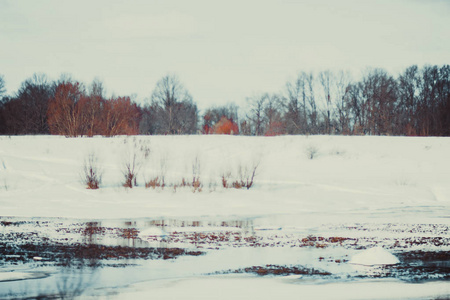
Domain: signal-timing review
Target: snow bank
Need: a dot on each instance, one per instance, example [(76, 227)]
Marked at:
[(374, 256)]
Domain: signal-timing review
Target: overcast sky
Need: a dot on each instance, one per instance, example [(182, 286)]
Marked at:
[(222, 51)]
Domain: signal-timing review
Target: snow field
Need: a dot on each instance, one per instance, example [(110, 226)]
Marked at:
[(41, 176)]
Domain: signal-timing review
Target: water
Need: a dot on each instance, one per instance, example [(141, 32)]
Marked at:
[(67, 258)]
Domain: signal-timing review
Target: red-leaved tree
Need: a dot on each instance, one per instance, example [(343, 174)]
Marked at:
[(120, 116), (275, 128), (225, 126), (90, 112), (63, 115)]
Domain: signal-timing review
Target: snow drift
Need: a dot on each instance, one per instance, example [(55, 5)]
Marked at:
[(374, 256)]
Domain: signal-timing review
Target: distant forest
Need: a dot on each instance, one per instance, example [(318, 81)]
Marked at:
[(416, 103)]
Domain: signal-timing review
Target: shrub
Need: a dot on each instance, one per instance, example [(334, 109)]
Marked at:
[(245, 178), (311, 152), (135, 158), (155, 182), (225, 178), (5, 185), (196, 167), (92, 173), (130, 173), (197, 185)]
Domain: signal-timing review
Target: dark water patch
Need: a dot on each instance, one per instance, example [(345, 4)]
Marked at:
[(65, 254), (424, 256), (418, 266), (414, 267), (277, 270), (11, 223)]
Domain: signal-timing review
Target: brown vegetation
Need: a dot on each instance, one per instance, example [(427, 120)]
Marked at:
[(92, 173)]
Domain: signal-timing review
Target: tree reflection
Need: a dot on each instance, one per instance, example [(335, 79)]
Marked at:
[(73, 282)]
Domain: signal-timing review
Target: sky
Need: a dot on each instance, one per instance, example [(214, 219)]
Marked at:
[(222, 51)]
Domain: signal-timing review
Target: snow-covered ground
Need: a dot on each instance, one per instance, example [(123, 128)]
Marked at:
[(391, 192), (365, 177)]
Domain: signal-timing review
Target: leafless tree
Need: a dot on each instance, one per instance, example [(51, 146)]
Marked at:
[(256, 114), (294, 103), (326, 79), (63, 110), (342, 110), (380, 92), (173, 108), (273, 117), (434, 103), (408, 93), (92, 110), (355, 105), (313, 115), (27, 110), (3, 101), (97, 89), (2, 86)]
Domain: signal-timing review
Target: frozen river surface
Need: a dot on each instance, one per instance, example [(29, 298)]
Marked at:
[(195, 258)]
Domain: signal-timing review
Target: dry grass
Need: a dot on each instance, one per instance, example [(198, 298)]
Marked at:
[(92, 173), (245, 178), (195, 184), (155, 183), (135, 158)]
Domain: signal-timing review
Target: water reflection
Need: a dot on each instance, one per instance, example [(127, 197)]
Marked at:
[(73, 282), (87, 256), (164, 233), (197, 233)]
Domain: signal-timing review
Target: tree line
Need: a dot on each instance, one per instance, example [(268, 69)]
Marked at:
[(415, 103)]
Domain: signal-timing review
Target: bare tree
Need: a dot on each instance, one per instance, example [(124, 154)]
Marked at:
[(408, 93), (2, 86), (342, 110), (173, 107), (256, 115), (433, 97), (294, 103), (326, 79), (27, 110), (63, 109), (3, 101), (97, 89), (91, 107), (380, 92), (313, 117), (355, 105), (443, 90), (272, 114)]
